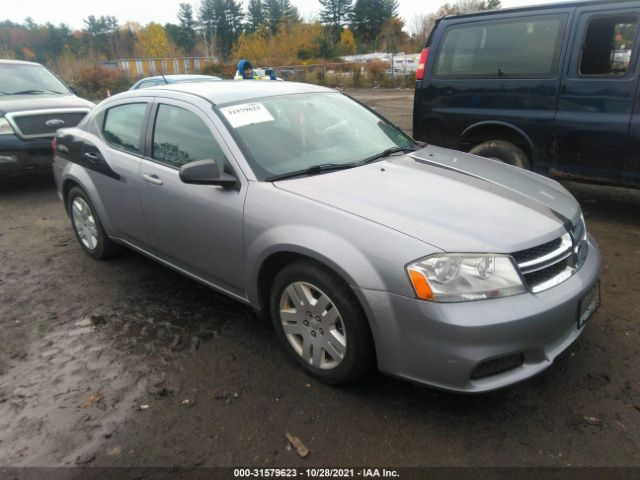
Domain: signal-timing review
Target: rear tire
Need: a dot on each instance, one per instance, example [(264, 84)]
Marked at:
[(502, 151), (327, 332), (87, 227)]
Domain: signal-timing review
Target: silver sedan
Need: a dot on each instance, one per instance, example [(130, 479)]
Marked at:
[(364, 247)]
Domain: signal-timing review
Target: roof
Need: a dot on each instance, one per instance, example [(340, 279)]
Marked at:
[(229, 91), (548, 6), (18, 62), (178, 77)]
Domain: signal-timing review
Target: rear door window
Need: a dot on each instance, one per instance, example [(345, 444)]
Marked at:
[(123, 126), (608, 45), (515, 48)]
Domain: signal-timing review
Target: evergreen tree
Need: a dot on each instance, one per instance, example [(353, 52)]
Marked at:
[(222, 23), (255, 16), (184, 34), (273, 13), (335, 15), (280, 11), (207, 18), (369, 17), (185, 17), (290, 13)]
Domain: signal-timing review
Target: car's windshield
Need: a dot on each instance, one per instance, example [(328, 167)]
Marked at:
[(26, 79), (292, 133)]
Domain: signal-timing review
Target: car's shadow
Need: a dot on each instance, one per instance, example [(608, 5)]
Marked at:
[(26, 184)]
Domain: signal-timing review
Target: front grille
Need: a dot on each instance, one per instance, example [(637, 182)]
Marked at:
[(35, 125), (547, 265), (540, 276), (536, 252)]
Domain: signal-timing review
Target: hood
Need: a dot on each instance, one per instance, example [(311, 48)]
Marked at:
[(17, 103), (454, 201)]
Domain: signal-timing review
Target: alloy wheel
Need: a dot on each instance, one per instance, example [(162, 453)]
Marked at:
[(313, 325), (84, 223)]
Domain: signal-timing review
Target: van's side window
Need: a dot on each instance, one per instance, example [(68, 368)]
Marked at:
[(515, 48), (608, 45)]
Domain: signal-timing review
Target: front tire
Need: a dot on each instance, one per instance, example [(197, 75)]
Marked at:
[(320, 323), (87, 227), (502, 151)]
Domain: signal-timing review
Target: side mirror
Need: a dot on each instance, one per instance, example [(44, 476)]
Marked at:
[(205, 172)]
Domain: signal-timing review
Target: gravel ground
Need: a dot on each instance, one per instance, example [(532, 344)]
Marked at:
[(126, 363)]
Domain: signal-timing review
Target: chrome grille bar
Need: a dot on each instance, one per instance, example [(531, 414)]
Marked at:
[(555, 266), (563, 251)]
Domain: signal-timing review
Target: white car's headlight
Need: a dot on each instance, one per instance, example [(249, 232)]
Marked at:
[(453, 277), (580, 241), (5, 126)]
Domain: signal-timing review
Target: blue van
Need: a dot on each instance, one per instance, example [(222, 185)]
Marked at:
[(552, 88)]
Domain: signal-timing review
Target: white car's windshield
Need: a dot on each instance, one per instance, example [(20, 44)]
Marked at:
[(27, 79), (293, 133)]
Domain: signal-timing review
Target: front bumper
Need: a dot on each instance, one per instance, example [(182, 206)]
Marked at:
[(441, 344), (19, 156)]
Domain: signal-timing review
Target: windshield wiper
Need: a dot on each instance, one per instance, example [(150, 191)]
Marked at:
[(315, 170), (31, 92), (386, 153)]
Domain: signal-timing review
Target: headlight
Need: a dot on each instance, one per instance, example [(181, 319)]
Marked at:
[(453, 277), (5, 126), (580, 241)]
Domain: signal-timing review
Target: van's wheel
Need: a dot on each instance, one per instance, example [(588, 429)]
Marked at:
[(503, 151), (320, 323), (87, 226)]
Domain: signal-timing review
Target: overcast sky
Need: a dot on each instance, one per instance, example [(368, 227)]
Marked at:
[(72, 12)]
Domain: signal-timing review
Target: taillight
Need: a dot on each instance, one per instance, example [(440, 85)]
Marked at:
[(54, 145), (424, 56)]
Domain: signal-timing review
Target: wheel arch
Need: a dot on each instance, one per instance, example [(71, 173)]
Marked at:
[(275, 261), (76, 177), (496, 130), (67, 185)]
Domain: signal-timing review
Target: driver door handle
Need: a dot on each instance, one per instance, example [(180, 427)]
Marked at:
[(152, 179)]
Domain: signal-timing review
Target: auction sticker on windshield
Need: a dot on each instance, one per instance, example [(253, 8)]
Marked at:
[(246, 114)]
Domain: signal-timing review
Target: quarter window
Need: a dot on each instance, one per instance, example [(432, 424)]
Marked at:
[(180, 137), (519, 48), (123, 126), (608, 45)]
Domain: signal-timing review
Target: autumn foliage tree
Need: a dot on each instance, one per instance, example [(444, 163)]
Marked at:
[(393, 37), (347, 44), (98, 82), (153, 42), (296, 43)]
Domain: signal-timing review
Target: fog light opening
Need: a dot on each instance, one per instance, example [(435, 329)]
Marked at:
[(497, 365)]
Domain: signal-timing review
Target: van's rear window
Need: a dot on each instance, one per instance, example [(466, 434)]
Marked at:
[(526, 47)]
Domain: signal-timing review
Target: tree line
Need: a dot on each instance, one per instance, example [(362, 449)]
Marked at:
[(226, 30)]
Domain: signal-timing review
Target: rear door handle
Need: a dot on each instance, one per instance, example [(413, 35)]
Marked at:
[(93, 157), (152, 179)]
